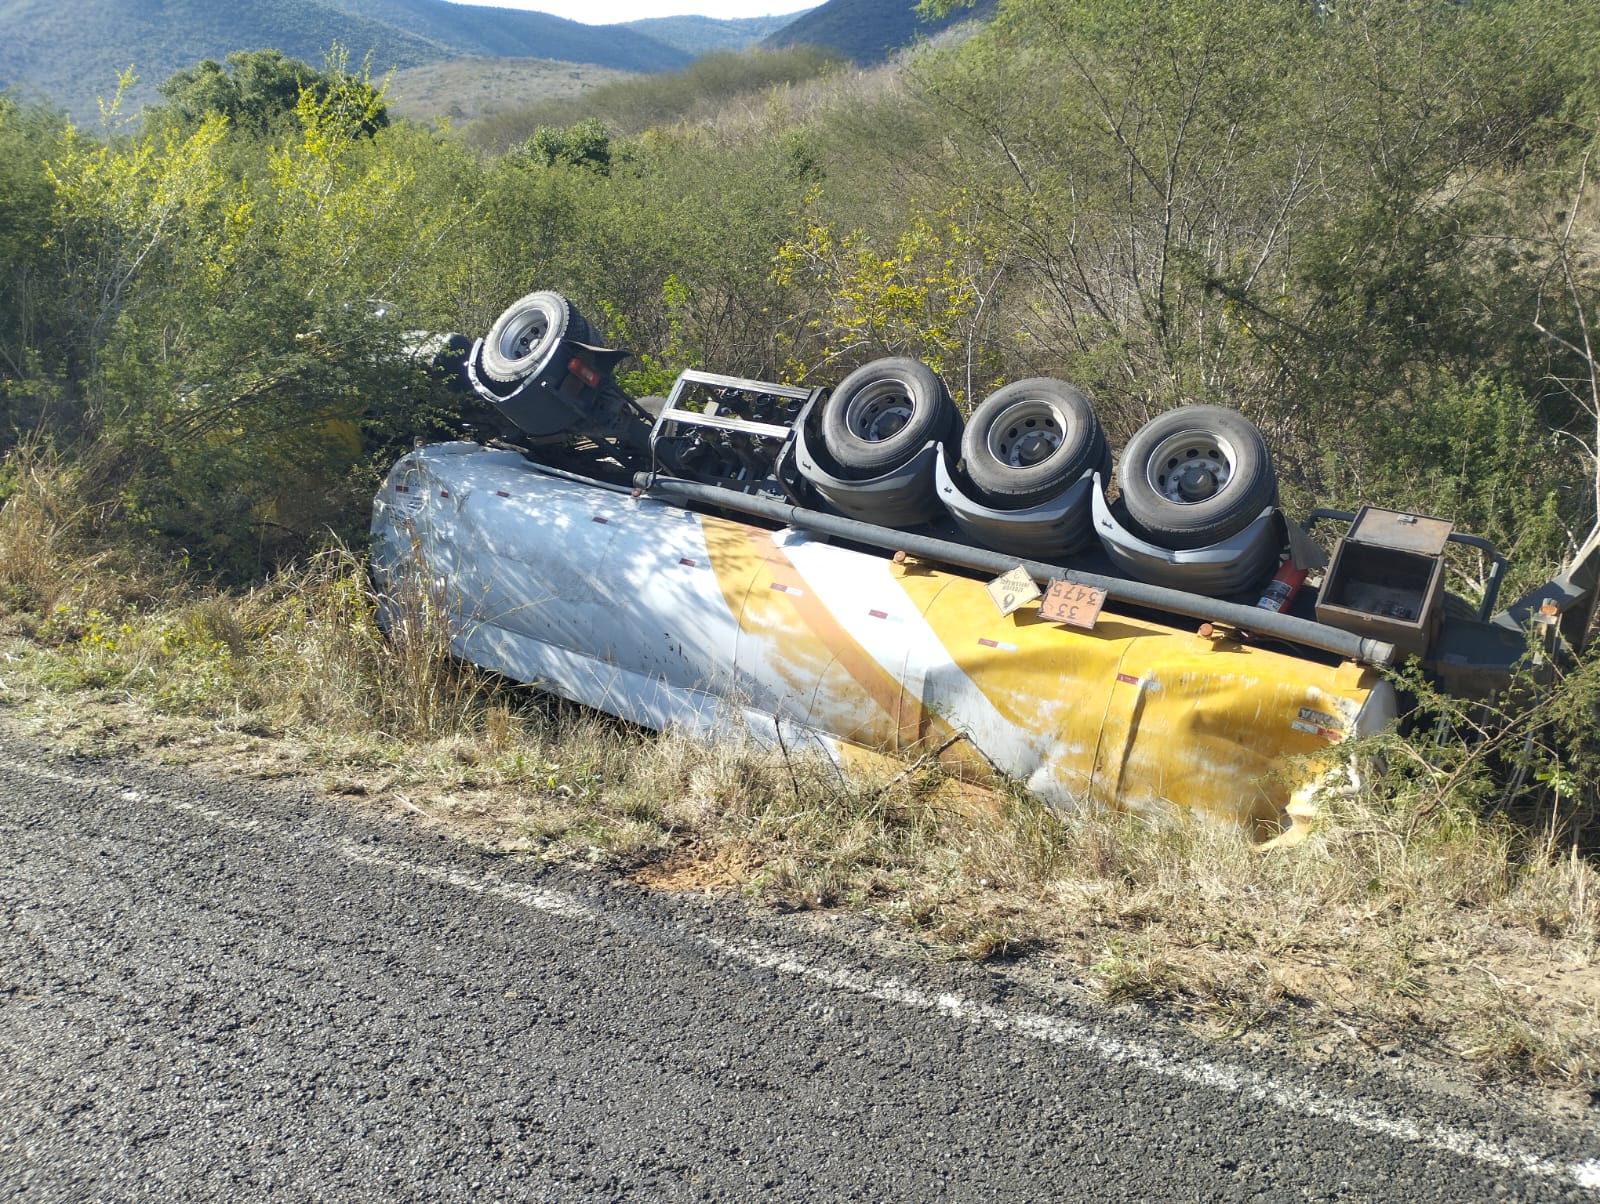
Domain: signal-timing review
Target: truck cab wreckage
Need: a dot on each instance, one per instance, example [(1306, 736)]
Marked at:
[(860, 570)]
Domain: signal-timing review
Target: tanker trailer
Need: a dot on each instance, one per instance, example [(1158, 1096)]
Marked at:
[(703, 561)]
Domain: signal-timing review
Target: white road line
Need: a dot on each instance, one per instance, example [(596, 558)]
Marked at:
[(1250, 1085), (534, 898), (54, 775), (1218, 1076), (222, 819)]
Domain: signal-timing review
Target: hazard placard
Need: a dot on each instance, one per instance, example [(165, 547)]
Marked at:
[(1012, 590), (1070, 603)]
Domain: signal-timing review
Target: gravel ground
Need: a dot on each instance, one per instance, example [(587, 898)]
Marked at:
[(221, 990)]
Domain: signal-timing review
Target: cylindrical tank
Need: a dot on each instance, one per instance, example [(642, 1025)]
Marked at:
[(666, 616)]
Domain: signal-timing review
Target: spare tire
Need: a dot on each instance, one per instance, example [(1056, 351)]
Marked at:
[(526, 333), (882, 414), (1029, 440), (1194, 476)]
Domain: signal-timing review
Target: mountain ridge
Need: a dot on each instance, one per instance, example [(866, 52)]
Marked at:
[(869, 31), (69, 53), (704, 35)]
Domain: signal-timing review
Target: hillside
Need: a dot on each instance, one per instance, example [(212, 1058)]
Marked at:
[(466, 89), (71, 53), (714, 88), (478, 29), (703, 35), (869, 31)]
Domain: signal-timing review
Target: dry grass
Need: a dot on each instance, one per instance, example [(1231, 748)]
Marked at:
[(43, 522), (1406, 921)]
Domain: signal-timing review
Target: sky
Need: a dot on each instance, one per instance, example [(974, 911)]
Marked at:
[(609, 12)]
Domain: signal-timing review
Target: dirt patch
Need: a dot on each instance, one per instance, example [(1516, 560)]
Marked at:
[(710, 869)]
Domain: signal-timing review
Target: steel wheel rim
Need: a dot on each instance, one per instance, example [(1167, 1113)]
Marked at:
[(1027, 433), (1191, 467), (528, 334), (879, 411)]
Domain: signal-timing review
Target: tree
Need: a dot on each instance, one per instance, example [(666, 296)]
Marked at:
[(35, 330), (1128, 155), (29, 323), (258, 90), (1566, 245), (586, 144), (924, 297), (221, 282)]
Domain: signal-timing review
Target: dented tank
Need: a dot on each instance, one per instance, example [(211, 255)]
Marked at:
[(665, 616)]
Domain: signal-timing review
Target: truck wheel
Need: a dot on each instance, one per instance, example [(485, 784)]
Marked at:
[(1029, 441), (579, 328), (883, 412), (1196, 475), (525, 334)]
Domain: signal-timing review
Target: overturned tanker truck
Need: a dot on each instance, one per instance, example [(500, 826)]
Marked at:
[(862, 571)]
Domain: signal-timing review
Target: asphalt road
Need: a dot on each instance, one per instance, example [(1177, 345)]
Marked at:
[(220, 991)]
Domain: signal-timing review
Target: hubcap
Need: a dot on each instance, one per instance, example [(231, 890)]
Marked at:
[(531, 334), (880, 411), (1191, 467), (1027, 433), (1196, 484), (524, 337)]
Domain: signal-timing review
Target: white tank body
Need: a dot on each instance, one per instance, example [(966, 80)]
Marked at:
[(668, 617)]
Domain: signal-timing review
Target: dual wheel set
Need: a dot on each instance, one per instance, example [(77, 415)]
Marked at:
[(1196, 484)]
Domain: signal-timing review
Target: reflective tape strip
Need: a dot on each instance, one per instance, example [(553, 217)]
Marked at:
[(1127, 679), (600, 519), (1312, 729), (877, 614), (788, 589), (1003, 647), (501, 493)]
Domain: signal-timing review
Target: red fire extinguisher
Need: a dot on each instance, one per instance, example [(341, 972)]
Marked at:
[(1280, 591)]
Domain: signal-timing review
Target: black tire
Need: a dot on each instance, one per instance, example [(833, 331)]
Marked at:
[(1030, 440), (1196, 475), (882, 414), (579, 329), (526, 333)]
